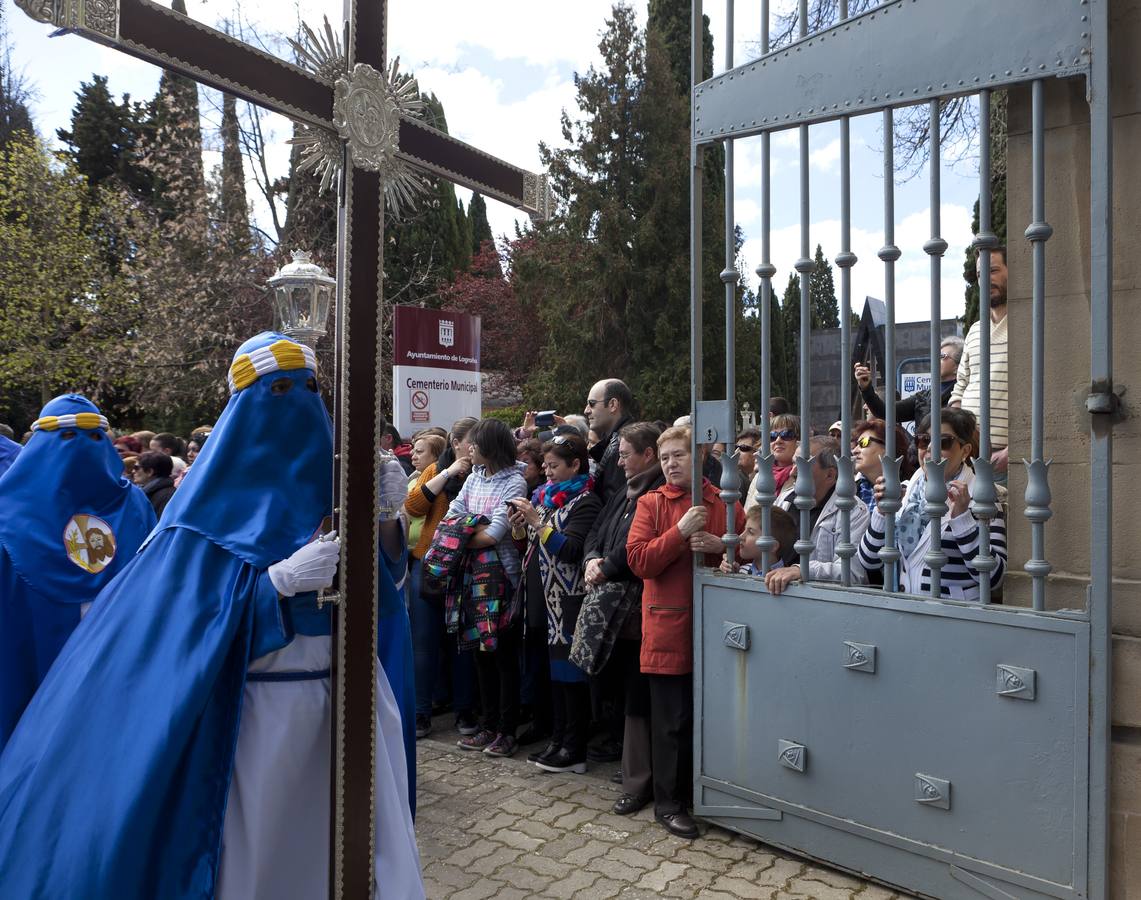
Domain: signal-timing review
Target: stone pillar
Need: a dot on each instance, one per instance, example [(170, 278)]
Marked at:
[(1067, 384)]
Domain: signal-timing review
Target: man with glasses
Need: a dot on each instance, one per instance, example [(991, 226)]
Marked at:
[(608, 409), (824, 564), (918, 405), (748, 443)]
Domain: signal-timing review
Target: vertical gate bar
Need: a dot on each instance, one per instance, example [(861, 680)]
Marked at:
[(1037, 508), (730, 474), (984, 505), (936, 487), (890, 502), (697, 29), (765, 484), (802, 18), (846, 499), (845, 476), (1101, 450), (805, 486)]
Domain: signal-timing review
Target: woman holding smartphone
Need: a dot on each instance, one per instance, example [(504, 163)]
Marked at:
[(556, 531)]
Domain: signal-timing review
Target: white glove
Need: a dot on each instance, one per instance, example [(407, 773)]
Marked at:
[(393, 487), (309, 569)]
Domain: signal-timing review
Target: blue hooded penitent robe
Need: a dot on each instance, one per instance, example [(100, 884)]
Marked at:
[(114, 785), (9, 450), (69, 523)]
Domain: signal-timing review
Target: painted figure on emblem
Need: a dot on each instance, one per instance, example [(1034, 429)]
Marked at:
[(69, 522), (180, 747)]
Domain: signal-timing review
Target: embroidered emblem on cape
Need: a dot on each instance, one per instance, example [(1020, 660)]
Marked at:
[(90, 543)]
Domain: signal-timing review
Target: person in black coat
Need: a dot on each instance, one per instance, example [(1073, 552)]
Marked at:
[(152, 474), (918, 405), (606, 562), (609, 407)]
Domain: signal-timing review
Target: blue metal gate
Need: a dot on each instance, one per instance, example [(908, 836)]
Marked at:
[(952, 749)]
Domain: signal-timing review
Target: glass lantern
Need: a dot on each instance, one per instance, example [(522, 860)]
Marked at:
[(302, 295)]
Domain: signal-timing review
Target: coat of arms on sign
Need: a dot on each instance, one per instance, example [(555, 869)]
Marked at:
[(447, 333)]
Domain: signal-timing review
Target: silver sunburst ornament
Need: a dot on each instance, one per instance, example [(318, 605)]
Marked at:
[(367, 107)]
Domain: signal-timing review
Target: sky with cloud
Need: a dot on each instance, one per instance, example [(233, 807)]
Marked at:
[(506, 72)]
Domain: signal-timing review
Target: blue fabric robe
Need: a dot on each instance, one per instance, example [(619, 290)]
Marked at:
[(9, 450), (114, 784), (47, 570)]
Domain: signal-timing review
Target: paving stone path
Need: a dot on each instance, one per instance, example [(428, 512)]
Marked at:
[(502, 828)]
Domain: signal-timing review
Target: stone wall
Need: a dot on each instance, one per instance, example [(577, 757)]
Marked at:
[(1067, 384)]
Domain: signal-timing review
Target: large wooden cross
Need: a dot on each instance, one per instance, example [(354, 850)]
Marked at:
[(349, 105)]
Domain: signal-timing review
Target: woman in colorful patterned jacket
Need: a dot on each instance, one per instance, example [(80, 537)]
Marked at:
[(556, 533), (496, 478)]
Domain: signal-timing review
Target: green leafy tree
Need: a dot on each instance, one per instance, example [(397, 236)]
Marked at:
[(63, 312)]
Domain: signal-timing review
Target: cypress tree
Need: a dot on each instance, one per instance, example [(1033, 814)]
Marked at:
[(428, 245), (176, 146), (477, 222), (235, 211), (825, 307), (15, 117), (106, 138), (790, 323)]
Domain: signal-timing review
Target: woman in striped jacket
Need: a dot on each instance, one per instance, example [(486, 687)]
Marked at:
[(960, 530)]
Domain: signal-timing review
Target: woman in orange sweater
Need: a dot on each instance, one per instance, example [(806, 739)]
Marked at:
[(425, 506), (667, 530)]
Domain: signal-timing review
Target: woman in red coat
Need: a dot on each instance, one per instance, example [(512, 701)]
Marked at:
[(667, 530)]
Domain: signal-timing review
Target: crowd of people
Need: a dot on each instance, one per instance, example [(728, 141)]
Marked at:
[(584, 622), (539, 576)]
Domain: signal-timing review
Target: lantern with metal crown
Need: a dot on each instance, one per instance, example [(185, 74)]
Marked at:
[(302, 294)]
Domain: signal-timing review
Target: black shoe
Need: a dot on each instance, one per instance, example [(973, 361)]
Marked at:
[(679, 824), (466, 724), (604, 751), (562, 760), (423, 726), (628, 804), (534, 734), (549, 750), (617, 777)]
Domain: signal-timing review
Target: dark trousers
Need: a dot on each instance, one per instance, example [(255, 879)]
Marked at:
[(637, 746), (671, 738), (498, 672), (607, 699), (537, 677), (571, 708), (434, 652)]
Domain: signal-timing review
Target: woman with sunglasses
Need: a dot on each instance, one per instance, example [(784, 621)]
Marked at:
[(784, 439), (868, 447), (960, 529)]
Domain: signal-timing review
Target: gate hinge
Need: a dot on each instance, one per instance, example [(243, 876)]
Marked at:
[(1103, 399)]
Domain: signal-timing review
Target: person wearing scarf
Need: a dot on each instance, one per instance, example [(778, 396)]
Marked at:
[(70, 523), (784, 439), (607, 567), (556, 541), (959, 531)]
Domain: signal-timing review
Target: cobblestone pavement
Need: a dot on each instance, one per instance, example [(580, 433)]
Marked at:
[(539, 834)]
